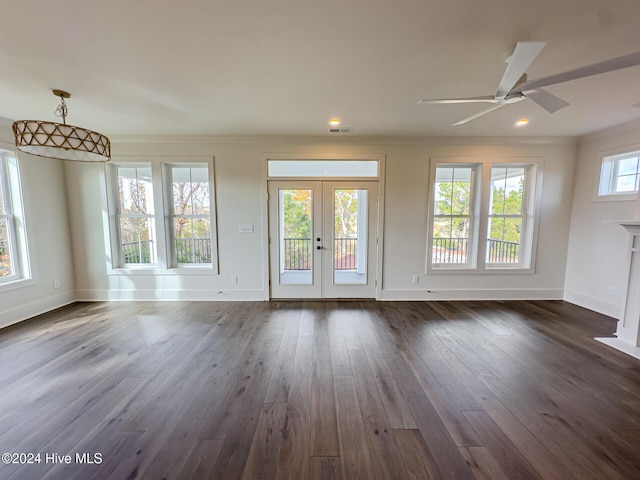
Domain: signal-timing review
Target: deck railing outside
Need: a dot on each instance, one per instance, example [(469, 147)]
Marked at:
[(454, 250), (136, 252), (500, 251), (193, 250), (449, 250), (188, 250), (297, 253)]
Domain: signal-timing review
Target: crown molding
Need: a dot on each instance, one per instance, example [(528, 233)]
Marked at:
[(341, 140)]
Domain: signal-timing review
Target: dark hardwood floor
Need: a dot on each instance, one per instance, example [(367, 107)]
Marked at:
[(319, 390)]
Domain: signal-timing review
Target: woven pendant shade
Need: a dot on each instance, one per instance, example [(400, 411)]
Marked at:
[(59, 140), (66, 142)]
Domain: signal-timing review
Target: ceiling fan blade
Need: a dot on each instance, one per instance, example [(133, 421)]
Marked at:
[(523, 56), (626, 61), (549, 102), (479, 114), (436, 101)]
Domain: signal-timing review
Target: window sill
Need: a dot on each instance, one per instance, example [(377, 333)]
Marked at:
[(16, 284), (623, 197), (156, 271), (481, 271)]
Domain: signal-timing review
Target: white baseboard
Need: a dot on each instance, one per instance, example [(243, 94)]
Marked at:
[(24, 312), (474, 294), (169, 295), (597, 305), (620, 345)]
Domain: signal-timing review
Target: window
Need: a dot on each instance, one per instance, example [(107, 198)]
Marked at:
[(322, 168), (161, 217), (13, 251), (483, 216), (190, 217), (135, 215), (509, 215), (453, 214), (620, 174)]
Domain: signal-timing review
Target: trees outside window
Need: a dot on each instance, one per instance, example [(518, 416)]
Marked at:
[(7, 240), (453, 214), (13, 241), (161, 215), (506, 215), (296, 225), (191, 214), (136, 215), (504, 201)]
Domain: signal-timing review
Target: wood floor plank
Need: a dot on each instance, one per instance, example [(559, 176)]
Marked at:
[(546, 461), (506, 454), (309, 389), (325, 468), (339, 355), (446, 455), (324, 429), (385, 456), (441, 400), (263, 455), (395, 405), (280, 384), (295, 446), (241, 419), (483, 464), (355, 458), (418, 461)]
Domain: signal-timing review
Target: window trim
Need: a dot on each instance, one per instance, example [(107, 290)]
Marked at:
[(612, 157), (163, 265), (172, 260), (483, 197), (115, 215), (17, 226), (528, 216), (474, 214)]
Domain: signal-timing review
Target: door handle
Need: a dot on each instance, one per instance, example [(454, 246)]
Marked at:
[(319, 247)]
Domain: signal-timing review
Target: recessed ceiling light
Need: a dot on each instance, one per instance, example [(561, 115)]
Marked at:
[(334, 122), (522, 122)]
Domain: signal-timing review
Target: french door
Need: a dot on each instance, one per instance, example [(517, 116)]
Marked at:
[(322, 238)]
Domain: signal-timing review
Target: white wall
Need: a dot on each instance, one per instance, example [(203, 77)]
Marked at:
[(44, 193), (239, 198), (597, 259)]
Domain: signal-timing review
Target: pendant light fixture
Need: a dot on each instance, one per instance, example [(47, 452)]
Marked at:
[(59, 140)]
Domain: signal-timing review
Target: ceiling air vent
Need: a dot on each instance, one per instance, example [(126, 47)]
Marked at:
[(340, 129)]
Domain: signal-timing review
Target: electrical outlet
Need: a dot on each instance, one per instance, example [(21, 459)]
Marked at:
[(56, 284), (416, 279), (612, 291)]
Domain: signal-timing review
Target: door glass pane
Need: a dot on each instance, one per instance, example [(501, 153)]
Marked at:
[(296, 258), (350, 237)]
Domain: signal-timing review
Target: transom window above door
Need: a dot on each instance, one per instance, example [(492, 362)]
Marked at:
[(318, 168)]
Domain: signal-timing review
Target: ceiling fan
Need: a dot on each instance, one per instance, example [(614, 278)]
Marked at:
[(514, 86)]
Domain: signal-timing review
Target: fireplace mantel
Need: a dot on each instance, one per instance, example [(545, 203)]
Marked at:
[(627, 338)]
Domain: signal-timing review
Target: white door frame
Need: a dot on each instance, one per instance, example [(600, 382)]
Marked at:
[(379, 233)]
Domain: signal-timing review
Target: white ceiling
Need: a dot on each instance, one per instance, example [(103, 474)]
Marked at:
[(285, 67)]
